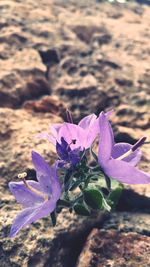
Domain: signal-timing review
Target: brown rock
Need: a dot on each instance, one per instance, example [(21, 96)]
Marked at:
[(134, 221), (110, 248), (50, 104), (88, 81), (134, 117), (40, 244), (21, 78), (81, 95), (85, 33), (93, 56)]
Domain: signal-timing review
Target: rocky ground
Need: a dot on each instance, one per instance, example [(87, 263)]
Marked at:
[(86, 56)]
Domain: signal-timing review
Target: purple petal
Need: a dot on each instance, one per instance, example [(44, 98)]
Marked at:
[(74, 157), (46, 176), (92, 133), (63, 149), (91, 125), (87, 121), (52, 137), (105, 140), (29, 215), (109, 113), (121, 148), (54, 129), (56, 186), (25, 196), (125, 173), (71, 132)]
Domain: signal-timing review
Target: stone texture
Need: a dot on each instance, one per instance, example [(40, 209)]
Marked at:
[(49, 104), (22, 78), (88, 44), (129, 222), (41, 244), (86, 56), (111, 248)]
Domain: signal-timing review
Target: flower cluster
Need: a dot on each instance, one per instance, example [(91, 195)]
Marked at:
[(81, 179)]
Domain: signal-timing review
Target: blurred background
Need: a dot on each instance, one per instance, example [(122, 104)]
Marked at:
[(87, 56)]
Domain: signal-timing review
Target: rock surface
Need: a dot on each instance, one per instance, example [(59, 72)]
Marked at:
[(111, 249), (86, 56), (22, 78)]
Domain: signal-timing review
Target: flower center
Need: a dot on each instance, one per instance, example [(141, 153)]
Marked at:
[(138, 144), (73, 142), (31, 188)]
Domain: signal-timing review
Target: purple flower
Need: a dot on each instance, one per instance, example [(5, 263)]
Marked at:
[(38, 198), (67, 155), (118, 160), (78, 136)]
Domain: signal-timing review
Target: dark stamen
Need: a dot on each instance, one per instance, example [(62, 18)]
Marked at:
[(138, 144), (73, 141), (69, 116)]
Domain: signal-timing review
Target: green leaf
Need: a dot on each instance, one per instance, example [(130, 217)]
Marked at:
[(115, 195), (93, 198), (53, 218), (81, 209)]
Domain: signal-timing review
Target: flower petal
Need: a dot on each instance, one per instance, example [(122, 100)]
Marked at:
[(62, 149), (29, 215), (54, 129), (53, 135), (25, 196), (91, 125), (91, 134), (109, 113), (44, 173), (125, 173), (87, 121), (121, 148), (56, 186), (71, 132), (105, 140)]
